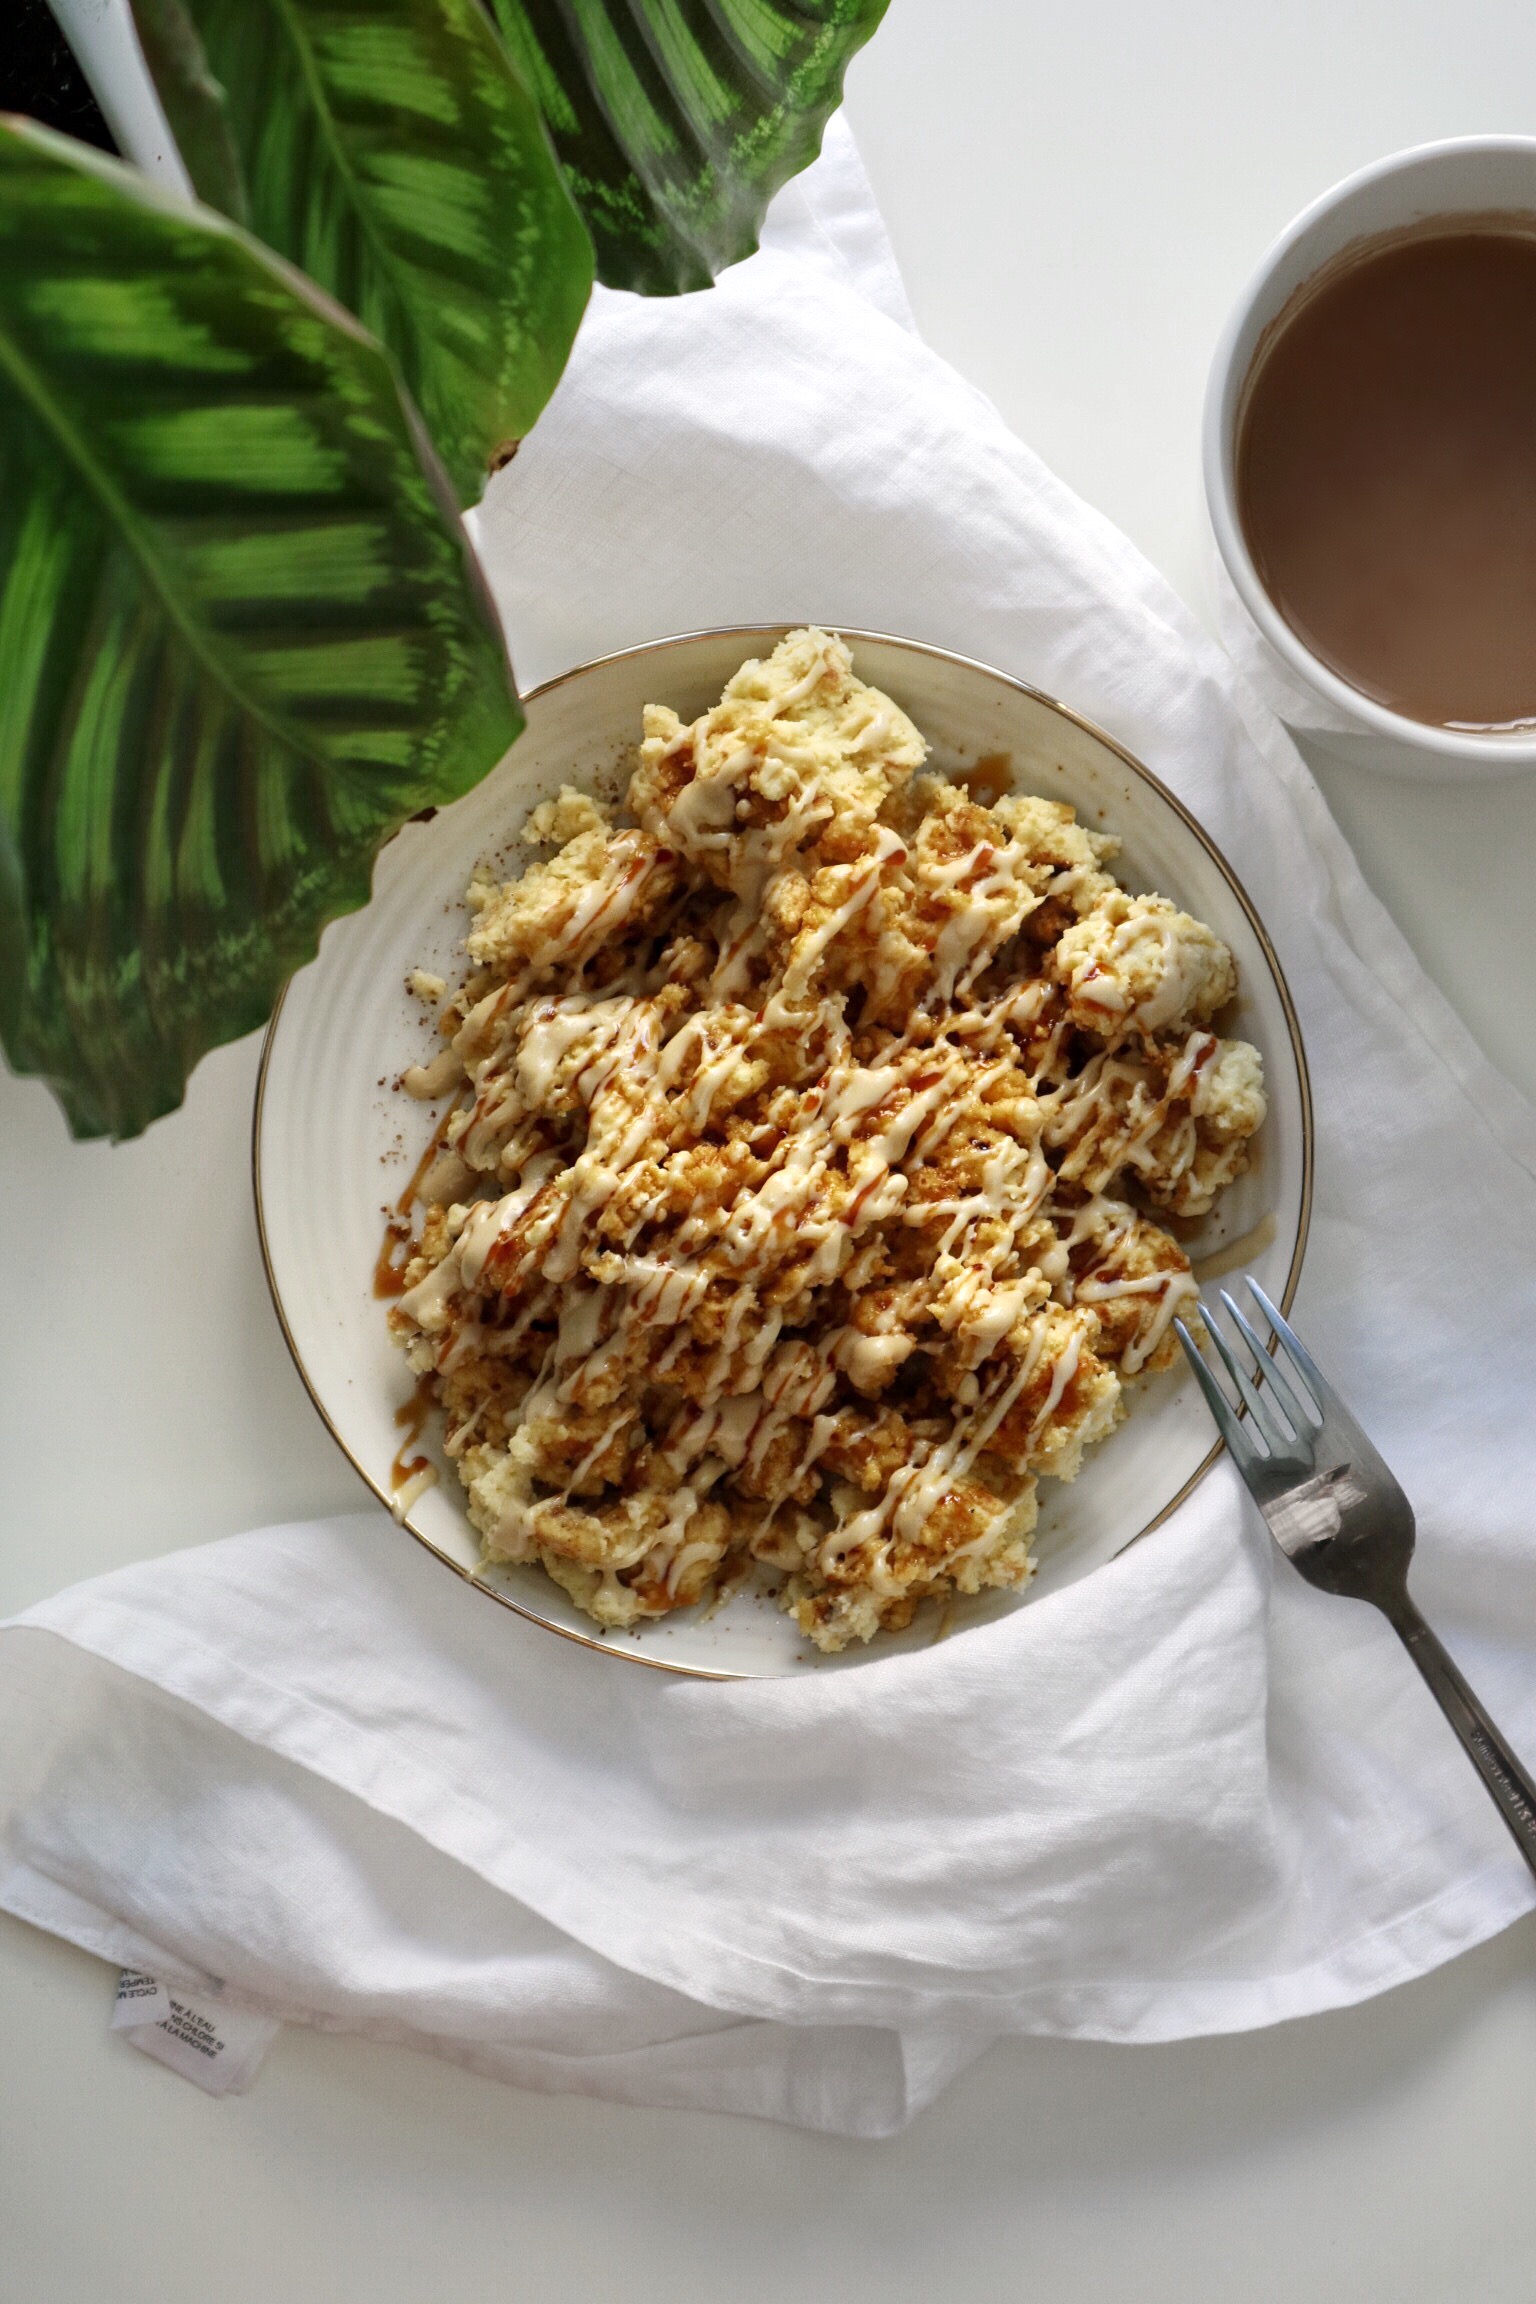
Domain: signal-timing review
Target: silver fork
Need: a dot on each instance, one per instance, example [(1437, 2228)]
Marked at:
[(1339, 1516)]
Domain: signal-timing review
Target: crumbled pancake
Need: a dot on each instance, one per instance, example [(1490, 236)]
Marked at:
[(1140, 960), (781, 1216)]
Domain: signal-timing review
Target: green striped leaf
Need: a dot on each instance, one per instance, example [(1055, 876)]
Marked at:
[(241, 636), (389, 148), (677, 120)]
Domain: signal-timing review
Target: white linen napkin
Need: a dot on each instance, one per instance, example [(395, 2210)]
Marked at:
[(309, 1773)]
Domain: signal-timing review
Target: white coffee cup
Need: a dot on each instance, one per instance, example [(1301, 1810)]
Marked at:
[(1469, 175)]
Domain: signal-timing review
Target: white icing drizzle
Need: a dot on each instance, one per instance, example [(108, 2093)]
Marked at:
[(704, 970)]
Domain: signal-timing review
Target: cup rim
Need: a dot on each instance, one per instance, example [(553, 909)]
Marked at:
[(1489, 752)]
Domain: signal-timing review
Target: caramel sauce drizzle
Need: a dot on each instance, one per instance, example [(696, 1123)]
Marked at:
[(409, 1471), (395, 1247), (412, 1417), (394, 1253), (987, 779)]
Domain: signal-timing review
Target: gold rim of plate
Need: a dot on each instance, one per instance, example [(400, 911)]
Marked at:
[(1022, 688)]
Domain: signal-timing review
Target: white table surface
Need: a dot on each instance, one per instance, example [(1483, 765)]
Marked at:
[(1076, 195)]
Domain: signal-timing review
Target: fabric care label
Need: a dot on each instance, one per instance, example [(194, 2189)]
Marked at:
[(220, 2048)]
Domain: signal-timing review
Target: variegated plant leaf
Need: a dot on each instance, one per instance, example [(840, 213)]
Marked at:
[(677, 120), (390, 149), (241, 636)]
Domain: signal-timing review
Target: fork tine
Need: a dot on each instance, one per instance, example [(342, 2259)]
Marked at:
[(1265, 1421), (1304, 1417), (1243, 1453), (1316, 1382)]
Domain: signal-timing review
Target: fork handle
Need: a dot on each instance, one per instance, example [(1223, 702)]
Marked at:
[(1513, 1789)]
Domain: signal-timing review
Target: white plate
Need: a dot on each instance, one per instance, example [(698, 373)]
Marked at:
[(334, 1145)]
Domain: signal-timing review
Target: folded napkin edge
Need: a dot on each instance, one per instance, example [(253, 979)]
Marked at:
[(749, 1985)]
